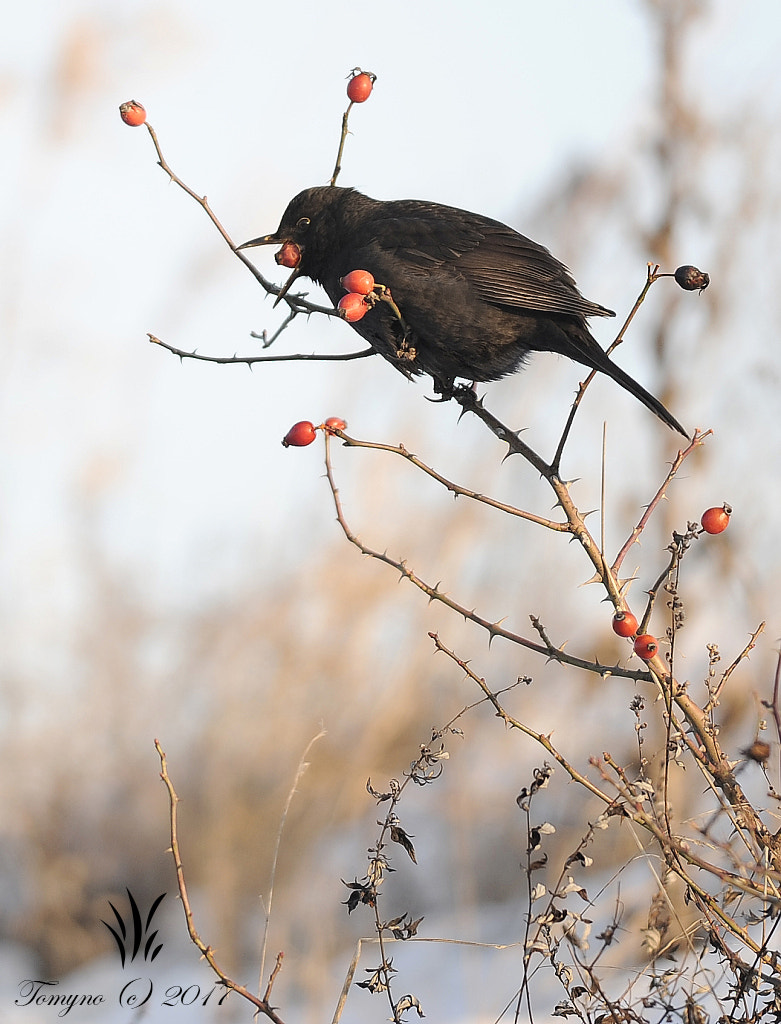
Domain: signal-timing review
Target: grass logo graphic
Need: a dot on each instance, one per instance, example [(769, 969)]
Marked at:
[(130, 944)]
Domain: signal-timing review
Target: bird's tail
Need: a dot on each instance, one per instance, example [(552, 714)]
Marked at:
[(606, 365), (580, 345)]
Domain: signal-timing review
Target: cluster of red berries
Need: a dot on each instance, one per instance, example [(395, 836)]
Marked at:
[(303, 433), (359, 285), (625, 624), (714, 520), (360, 86)]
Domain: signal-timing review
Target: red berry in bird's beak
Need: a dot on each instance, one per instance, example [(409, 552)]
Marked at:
[(289, 255)]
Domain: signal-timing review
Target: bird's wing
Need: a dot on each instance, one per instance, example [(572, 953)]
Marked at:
[(504, 267)]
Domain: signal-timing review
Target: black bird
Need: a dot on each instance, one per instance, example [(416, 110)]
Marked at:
[(472, 297)]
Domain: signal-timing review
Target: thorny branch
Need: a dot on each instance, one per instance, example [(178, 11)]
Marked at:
[(699, 735), (251, 360), (702, 742), (494, 629), (455, 489)]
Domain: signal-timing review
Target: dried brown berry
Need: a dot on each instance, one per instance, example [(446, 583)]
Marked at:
[(759, 751), (691, 279)]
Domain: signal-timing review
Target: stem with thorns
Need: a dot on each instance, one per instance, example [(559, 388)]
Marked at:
[(494, 629), (703, 744), (251, 360)]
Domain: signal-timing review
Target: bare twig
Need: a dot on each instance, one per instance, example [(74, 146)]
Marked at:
[(203, 202), (775, 705), (303, 764), (345, 116), (273, 976), (206, 951), (714, 698), (251, 360), (697, 440), (338, 164)]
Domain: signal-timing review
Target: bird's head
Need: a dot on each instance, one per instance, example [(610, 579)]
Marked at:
[(312, 228)]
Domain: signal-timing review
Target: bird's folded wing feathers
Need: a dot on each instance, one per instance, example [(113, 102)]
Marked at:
[(505, 268)]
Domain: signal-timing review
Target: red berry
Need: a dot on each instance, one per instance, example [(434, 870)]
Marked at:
[(646, 646), (624, 624), (289, 255), (300, 435), (132, 113), (335, 423), (716, 520), (360, 281), (359, 87), (353, 307)]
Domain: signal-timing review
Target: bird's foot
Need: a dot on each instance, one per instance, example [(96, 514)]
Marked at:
[(447, 389)]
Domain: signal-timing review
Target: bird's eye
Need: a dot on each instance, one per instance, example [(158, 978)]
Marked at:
[(303, 223)]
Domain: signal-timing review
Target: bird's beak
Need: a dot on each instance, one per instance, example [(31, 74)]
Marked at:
[(286, 286), (263, 240), (272, 240)]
